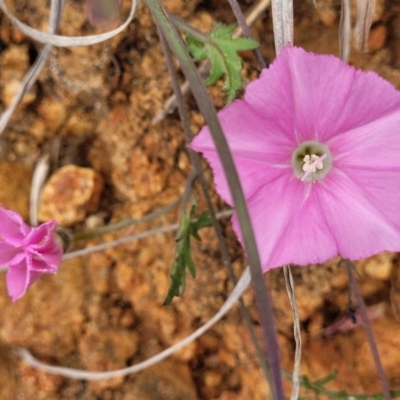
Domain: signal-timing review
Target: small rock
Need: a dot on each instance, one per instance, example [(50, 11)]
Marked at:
[(377, 38), (37, 384), (165, 380), (14, 62), (327, 12), (11, 88), (106, 350), (378, 267), (15, 181), (53, 331), (38, 130), (70, 194), (212, 378), (98, 267), (53, 113)]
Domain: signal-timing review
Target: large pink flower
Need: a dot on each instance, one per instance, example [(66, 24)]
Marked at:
[(27, 252), (317, 147)]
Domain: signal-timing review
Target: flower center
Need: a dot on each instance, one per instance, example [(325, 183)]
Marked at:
[(311, 161)]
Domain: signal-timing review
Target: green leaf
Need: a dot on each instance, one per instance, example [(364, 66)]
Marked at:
[(183, 257), (221, 49)]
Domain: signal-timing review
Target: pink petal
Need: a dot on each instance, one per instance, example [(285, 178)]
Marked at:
[(259, 155), (354, 210), (359, 227), (42, 266), (45, 244), (383, 193), (297, 223), (319, 96), (8, 253), (17, 279), (34, 276), (11, 227), (287, 223), (374, 146), (42, 234)]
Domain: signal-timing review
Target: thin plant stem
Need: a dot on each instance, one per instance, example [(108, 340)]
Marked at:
[(246, 30), (56, 9), (282, 21), (368, 330), (186, 195), (131, 238), (345, 30), (261, 293), (296, 330), (184, 27), (365, 18), (113, 226), (195, 159)]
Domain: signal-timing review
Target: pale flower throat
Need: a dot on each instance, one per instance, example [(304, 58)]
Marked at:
[(311, 161)]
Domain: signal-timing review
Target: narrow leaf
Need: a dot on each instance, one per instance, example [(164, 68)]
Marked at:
[(183, 257)]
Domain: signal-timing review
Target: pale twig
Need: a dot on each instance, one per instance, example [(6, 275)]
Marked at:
[(237, 292), (31, 76), (252, 15), (241, 19), (131, 238), (345, 30), (66, 41), (38, 178), (113, 226), (282, 19), (296, 330), (365, 17)]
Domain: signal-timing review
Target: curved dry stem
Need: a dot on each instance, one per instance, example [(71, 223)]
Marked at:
[(237, 292), (67, 41), (31, 76)]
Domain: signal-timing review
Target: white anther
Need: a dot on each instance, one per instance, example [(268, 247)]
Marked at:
[(311, 164)]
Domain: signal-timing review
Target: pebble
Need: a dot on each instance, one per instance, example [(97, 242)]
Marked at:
[(70, 194), (377, 267), (11, 88), (377, 38)]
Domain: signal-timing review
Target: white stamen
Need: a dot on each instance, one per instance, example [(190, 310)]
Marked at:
[(311, 164)]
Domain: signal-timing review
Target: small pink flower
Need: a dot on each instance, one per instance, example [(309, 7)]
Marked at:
[(27, 252), (317, 147)]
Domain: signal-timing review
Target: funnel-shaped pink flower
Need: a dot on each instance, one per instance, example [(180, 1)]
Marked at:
[(317, 147), (27, 252)]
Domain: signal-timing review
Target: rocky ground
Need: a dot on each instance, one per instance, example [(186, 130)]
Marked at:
[(91, 112)]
